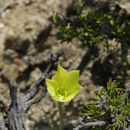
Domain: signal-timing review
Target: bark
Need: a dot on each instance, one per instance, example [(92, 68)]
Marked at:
[(15, 117)]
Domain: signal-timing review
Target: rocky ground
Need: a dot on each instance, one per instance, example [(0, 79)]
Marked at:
[(27, 40)]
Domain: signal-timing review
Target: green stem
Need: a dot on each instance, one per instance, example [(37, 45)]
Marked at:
[(61, 115), (49, 123)]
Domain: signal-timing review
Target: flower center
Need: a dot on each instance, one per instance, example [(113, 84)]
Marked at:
[(61, 93)]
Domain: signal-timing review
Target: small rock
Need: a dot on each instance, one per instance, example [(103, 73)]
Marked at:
[(9, 54), (35, 75), (1, 25), (10, 72)]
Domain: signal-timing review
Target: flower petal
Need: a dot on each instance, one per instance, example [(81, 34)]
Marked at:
[(74, 76), (61, 75), (72, 81), (51, 87), (73, 93)]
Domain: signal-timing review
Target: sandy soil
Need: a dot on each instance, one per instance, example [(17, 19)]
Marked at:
[(27, 39)]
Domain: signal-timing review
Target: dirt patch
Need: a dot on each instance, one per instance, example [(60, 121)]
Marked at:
[(27, 40)]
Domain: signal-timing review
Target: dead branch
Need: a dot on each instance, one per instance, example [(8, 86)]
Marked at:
[(15, 116), (89, 124)]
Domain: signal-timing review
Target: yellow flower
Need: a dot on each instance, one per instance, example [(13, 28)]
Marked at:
[(64, 86)]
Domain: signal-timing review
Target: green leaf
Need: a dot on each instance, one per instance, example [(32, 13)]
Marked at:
[(55, 17)]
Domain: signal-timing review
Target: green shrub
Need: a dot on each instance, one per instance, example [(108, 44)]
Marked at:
[(98, 24), (110, 105)]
